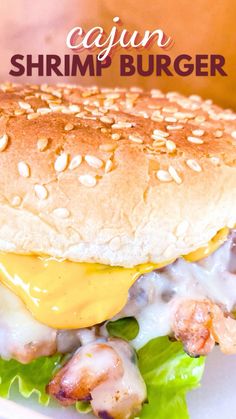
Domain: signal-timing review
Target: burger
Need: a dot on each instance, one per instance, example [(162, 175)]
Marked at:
[(117, 246)]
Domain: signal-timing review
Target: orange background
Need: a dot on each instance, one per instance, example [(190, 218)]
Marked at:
[(200, 26)]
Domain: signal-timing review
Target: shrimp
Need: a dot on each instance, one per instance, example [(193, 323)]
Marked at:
[(201, 324), (102, 372)]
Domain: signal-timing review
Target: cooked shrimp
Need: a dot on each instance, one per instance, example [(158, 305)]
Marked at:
[(201, 324), (105, 373)]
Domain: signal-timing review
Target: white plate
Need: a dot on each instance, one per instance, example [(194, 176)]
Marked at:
[(214, 399)]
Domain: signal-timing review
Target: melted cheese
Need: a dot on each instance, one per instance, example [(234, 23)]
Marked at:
[(210, 247), (70, 295)]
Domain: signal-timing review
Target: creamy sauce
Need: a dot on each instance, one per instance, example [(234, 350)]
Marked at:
[(21, 336), (154, 296), (70, 295), (152, 299)]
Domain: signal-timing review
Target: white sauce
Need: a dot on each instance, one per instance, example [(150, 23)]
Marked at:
[(154, 296), (152, 301), (20, 333)]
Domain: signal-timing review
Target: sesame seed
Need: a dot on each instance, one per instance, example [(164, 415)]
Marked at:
[(174, 127), (116, 136), (200, 118), (23, 169), (170, 145), (16, 201), (169, 109), (18, 112), (42, 144), (33, 115), (97, 113), (193, 164), (108, 147), (157, 117), (195, 98), (68, 127), (44, 111), (108, 166), (74, 108), (24, 105), (175, 176), (75, 162), (106, 120), (93, 161), (156, 94), (198, 132), (87, 180), (112, 96), (41, 191), (56, 93), (132, 95), (122, 125), (160, 133), (218, 133), (66, 111), (184, 115), (170, 119), (3, 142), (158, 142), (61, 162), (61, 212), (135, 139), (46, 97), (233, 135), (56, 107), (136, 89), (164, 176), (195, 140)]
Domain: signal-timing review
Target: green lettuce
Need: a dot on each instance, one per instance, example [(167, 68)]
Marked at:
[(169, 374), (31, 378), (126, 328), (167, 370)]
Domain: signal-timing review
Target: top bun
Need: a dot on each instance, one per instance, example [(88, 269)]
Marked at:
[(115, 176)]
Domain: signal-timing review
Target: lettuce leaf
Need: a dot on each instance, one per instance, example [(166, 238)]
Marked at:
[(169, 374), (167, 370), (125, 328), (32, 377)]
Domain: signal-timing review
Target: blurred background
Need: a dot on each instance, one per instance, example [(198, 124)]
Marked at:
[(197, 27)]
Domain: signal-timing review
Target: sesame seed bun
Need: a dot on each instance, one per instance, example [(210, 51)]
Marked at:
[(113, 176)]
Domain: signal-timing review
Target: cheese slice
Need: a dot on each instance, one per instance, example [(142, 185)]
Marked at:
[(210, 247), (71, 295), (68, 295)]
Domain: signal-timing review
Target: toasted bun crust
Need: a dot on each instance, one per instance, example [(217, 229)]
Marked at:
[(134, 197)]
